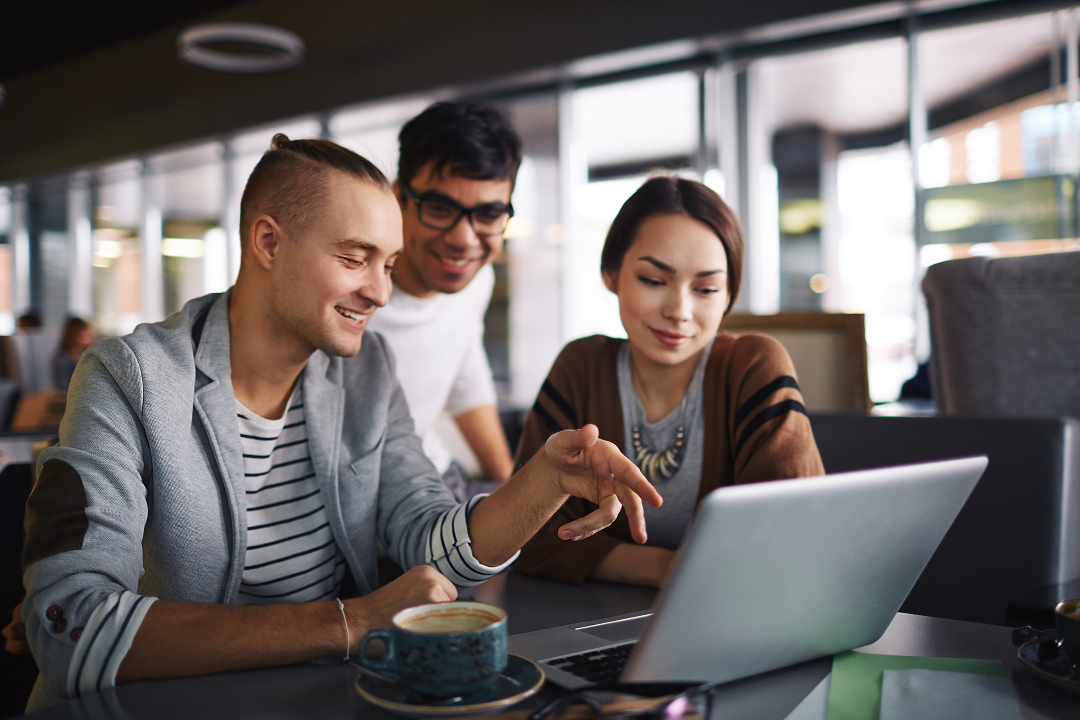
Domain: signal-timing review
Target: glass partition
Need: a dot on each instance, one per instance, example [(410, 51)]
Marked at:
[(835, 123), (372, 130), (813, 140), (50, 250), (523, 332), (189, 192), (1001, 159), (116, 278), (615, 135), (7, 318)]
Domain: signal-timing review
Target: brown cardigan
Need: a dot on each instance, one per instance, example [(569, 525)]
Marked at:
[(756, 429)]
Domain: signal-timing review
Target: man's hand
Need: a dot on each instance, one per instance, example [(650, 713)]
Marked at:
[(594, 469), (177, 639), (15, 634), (573, 462), (420, 585)]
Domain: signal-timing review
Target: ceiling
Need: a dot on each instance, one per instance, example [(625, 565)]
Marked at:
[(39, 34), (861, 87), (93, 81)]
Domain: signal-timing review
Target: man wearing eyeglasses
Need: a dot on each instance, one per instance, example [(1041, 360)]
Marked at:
[(456, 171)]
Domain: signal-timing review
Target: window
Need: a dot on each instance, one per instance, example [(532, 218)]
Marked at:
[(828, 161), (617, 135), (372, 130), (7, 319), (116, 276), (187, 188), (809, 143), (1002, 141), (523, 328)]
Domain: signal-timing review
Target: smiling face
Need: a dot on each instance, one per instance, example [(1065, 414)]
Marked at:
[(330, 276), (446, 261), (672, 289)]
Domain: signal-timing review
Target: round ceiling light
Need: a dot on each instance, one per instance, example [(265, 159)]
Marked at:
[(241, 48)]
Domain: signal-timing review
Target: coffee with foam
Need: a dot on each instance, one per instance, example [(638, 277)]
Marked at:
[(447, 622), (442, 650)]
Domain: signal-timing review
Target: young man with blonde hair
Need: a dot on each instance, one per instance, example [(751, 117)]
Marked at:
[(225, 476)]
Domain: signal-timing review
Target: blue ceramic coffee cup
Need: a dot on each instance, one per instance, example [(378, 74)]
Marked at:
[(442, 650), (1067, 615)]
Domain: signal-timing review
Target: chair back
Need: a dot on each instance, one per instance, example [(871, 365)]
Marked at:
[(1015, 546), (828, 350), (1005, 335)]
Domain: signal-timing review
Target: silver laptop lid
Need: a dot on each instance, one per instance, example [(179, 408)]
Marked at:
[(776, 573)]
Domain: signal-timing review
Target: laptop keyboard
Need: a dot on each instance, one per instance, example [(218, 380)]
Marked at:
[(595, 666)]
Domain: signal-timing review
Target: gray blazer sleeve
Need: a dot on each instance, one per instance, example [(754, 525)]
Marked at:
[(412, 494), (86, 513), (419, 520)]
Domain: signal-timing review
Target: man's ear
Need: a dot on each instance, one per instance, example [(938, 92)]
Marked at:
[(264, 240), (611, 280)]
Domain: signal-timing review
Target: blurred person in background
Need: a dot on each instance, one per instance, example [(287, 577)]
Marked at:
[(456, 170), (693, 407), (76, 336), (28, 321)]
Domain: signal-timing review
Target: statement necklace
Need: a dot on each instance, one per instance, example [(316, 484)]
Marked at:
[(658, 465)]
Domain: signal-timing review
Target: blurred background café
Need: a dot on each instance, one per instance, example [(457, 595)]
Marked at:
[(861, 143), (866, 147)]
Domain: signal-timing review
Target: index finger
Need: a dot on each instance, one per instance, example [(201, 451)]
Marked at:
[(594, 522)]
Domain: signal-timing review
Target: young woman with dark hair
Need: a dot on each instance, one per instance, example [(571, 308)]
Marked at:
[(695, 408)]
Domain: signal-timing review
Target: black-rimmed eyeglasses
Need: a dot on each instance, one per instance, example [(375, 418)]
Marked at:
[(441, 212), (684, 701)]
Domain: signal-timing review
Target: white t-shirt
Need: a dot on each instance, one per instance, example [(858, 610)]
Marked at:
[(438, 343)]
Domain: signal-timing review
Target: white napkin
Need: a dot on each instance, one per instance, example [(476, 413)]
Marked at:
[(937, 695)]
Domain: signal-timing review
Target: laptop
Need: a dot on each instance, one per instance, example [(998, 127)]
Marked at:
[(771, 574)]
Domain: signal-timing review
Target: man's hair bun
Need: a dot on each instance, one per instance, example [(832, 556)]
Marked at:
[(290, 181)]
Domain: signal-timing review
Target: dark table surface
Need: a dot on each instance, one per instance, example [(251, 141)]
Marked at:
[(326, 691)]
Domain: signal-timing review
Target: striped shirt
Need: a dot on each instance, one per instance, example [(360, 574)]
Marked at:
[(291, 553)]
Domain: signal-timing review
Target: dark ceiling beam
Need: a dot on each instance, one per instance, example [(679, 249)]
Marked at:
[(36, 35), (135, 96)]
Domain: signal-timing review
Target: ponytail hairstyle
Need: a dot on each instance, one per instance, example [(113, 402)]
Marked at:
[(290, 183)]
